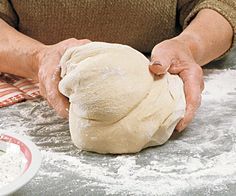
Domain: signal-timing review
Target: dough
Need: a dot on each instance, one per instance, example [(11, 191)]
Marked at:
[(116, 105)]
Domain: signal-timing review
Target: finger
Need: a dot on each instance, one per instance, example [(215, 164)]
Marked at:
[(192, 105), (189, 115), (60, 104), (42, 92), (192, 91), (196, 72), (58, 101)]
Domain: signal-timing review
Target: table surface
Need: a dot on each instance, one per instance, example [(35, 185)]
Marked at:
[(199, 161)]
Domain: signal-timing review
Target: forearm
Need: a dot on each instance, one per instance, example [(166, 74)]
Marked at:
[(208, 36), (18, 53)]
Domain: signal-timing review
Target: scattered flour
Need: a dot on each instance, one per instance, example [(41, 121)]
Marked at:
[(201, 160), (219, 84), (123, 174)]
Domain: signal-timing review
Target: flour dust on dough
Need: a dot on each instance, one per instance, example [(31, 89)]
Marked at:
[(116, 105)]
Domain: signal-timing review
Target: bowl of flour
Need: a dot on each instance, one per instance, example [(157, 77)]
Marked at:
[(19, 162)]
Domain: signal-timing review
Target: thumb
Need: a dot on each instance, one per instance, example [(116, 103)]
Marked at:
[(159, 64)]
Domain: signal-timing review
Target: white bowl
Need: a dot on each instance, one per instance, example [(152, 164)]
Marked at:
[(32, 163)]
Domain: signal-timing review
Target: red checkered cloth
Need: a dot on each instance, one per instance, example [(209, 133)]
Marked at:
[(14, 89)]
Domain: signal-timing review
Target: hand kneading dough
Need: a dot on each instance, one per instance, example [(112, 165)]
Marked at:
[(116, 104)]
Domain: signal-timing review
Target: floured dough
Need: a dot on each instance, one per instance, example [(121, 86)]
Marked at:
[(116, 104)]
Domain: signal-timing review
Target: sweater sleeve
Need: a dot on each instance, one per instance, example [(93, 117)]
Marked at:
[(188, 9), (7, 13)]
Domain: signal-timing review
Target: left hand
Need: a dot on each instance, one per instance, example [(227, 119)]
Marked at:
[(175, 57)]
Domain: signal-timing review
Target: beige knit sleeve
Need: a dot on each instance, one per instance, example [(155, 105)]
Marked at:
[(189, 8), (7, 13)]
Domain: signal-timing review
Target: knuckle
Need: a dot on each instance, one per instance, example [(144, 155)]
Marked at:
[(66, 43), (72, 39), (73, 42), (85, 40)]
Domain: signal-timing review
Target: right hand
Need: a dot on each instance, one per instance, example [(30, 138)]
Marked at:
[(49, 73)]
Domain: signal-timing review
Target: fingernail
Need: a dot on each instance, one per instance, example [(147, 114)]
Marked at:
[(155, 63)]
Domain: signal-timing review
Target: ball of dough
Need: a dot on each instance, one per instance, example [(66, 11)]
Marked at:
[(116, 104)]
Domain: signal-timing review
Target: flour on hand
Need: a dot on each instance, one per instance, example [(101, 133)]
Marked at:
[(116, 104)]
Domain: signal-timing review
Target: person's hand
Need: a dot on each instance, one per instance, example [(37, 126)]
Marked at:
[(175, 57), (49, 73)]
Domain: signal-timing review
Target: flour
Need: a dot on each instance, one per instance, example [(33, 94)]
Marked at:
[(130, 177), (12, 164), (200, 161), (217, 89)]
